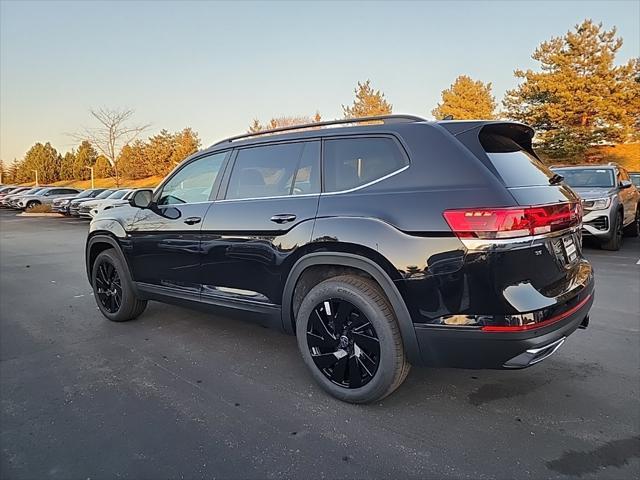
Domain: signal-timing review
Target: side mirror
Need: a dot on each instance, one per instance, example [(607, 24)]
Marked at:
[(625, 184), (141, 199)]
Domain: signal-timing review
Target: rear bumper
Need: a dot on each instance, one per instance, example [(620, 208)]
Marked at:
[(447, 346)]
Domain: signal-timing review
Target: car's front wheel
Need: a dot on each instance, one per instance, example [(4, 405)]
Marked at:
[(350, 341), (615, 241), (32, 204), (113, 288)]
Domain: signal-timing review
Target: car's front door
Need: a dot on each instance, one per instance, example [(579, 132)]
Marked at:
[(165, 238), (266, 212)]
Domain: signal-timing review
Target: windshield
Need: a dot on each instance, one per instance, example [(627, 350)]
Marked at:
[(635, 178), (31, 191), (85, 193), (104, 194), (588, 177), (118, 194)]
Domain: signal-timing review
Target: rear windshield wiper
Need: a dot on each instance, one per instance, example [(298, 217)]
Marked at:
[(555, 179)]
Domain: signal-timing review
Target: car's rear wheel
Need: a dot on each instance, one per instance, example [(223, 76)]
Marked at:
[(349, 339), (113, 288), (633, 230), (615, 241)]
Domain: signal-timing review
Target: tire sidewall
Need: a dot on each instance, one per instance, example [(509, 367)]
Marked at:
[(384, 376), (128, 295)]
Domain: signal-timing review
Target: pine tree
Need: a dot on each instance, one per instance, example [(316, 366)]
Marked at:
[(86, 156), (579, 98), (466, 99), (255, 126), (43, 158), (368, 102)]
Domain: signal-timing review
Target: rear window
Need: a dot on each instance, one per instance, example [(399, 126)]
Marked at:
[(517, 167), (352, 162)]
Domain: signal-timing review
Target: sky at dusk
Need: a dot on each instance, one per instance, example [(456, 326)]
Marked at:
[(214, 66)]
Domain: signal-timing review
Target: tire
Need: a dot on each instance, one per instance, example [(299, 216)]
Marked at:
[(31, 204), (121, 303), (615, 242), (633, 229), (354, 372)]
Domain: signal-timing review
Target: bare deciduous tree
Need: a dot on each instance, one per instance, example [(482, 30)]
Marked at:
[(112, 134)]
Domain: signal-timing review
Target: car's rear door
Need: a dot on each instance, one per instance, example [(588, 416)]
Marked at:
[(265, 210), (164, 250)]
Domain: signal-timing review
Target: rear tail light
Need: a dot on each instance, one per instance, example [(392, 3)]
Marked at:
[(494, 223)]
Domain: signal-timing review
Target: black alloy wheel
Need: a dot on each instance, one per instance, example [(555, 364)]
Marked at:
[(343, 343), (108, 286)]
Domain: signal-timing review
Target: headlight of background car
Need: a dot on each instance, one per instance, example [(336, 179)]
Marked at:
[(597, 203), (64, 202)]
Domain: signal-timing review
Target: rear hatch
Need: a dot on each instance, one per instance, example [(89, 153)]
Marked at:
[(534, 249)]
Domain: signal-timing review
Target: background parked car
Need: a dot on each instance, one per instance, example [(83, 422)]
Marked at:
[(6, 189), (87, 207), (114, 203), (61, 205), (4, 198), (11, 201), (611, 202), (635, 178), (74, 205), (45, 197)]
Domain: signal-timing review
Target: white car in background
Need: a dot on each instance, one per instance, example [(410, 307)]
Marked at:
[(87, 208), (113, 201)]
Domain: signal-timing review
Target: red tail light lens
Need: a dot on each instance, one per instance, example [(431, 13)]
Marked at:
[(490, 223)]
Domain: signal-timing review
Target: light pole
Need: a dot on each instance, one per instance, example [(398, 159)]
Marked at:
[(91, 168), (37, 184)]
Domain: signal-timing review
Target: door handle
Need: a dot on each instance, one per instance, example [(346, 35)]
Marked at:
[(283, 218), (192, 220)]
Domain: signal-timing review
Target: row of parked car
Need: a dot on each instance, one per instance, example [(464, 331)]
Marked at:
[(65, 200)]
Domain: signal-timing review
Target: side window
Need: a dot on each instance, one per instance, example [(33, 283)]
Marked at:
[(276, 170), (351, 162), (623, 174), (192, 183)]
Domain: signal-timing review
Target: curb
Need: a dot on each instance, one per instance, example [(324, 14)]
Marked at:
[(38, 215)]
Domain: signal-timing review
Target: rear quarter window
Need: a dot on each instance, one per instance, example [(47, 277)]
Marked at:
[(353, 162), (517, 167)]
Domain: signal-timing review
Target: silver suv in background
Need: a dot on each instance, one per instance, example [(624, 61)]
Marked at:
[(46, 196), (610, 201)]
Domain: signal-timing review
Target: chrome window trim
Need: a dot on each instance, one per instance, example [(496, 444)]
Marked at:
[(226, 200), (368, 184)]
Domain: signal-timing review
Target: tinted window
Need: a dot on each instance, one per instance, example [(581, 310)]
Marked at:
[(588, 177), (104, 194), (276, 170), (351, 162), (635, 178), (118, 194), (192, 183), (517, 167)]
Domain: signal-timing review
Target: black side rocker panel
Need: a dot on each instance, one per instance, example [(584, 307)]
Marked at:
[(379, 275)]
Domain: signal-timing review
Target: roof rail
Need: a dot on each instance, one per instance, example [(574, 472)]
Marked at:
[(385, 119)]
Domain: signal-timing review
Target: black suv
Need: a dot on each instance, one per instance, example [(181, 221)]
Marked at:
[(385, 242)]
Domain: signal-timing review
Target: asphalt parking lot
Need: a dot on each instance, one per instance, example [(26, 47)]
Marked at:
[(181, 393)]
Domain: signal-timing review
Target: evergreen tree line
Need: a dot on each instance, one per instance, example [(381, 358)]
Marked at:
[(158, 155)]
